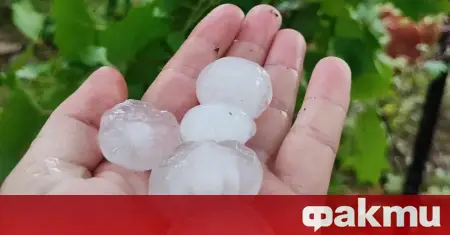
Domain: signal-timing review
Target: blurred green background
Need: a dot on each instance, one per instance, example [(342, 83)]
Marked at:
[(47, 48)]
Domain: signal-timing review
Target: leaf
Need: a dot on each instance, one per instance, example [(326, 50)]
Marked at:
[(17, 63), (358, 53), (3, 78), (175, 40), (136, 91), (307, 21), (337, 184), (354, 3), (369, 156), (124, 39), (417, 9), (21, 60), (96, 56), (98, 11), (375, 83), (32, 71), (56, 95), (27, 19), (170, 5), (369, 15), (65, 81), (245, 5), (75, 30), (147, 64), (301, 93), (348, 27), (333, 7), (20, 121), (41, 6), (311, 59)]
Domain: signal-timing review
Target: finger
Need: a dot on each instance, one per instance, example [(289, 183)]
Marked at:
[(306, 157), (66, 147), (174, 88), (257, 33), (272, 185), (284, 64)]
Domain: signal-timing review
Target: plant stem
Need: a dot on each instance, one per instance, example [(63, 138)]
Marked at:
[(428, 123)]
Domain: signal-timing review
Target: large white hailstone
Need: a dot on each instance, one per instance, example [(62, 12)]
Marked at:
[(218, 122), (236, 81), (208, 168), (137, 136)]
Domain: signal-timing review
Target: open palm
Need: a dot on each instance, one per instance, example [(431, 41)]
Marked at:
[(65, 157)]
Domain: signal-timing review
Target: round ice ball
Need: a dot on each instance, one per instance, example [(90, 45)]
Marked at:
[(218, 122), (208, 168), (236, 81), (137, 136)]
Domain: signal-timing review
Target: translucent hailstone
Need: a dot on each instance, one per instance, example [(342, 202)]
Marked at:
[(218, 122), (208, 168), (137, 136), (236, 81)]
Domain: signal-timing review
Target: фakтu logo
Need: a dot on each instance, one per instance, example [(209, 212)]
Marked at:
[(345, 216)]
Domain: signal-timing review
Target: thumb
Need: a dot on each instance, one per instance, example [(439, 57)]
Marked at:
[(66, 147)]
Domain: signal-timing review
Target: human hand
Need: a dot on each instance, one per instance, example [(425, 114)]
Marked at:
[(65, 157)]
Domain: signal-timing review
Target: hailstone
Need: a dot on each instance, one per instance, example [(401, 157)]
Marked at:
[(236, 81), (208, 168), (218, 122), (137, 136)]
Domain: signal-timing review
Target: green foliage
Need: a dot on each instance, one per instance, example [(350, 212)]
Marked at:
[(417, 9), (366, 145), (75, 30), (375, 82), (20, 121), (136, 30), (139, 37), (27, 19)]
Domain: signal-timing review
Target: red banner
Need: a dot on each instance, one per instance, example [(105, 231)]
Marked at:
[(217, 215)]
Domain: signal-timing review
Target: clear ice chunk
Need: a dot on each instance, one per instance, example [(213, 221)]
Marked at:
[(236, 81), (137, 136), (218, 122), (208, 168)]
